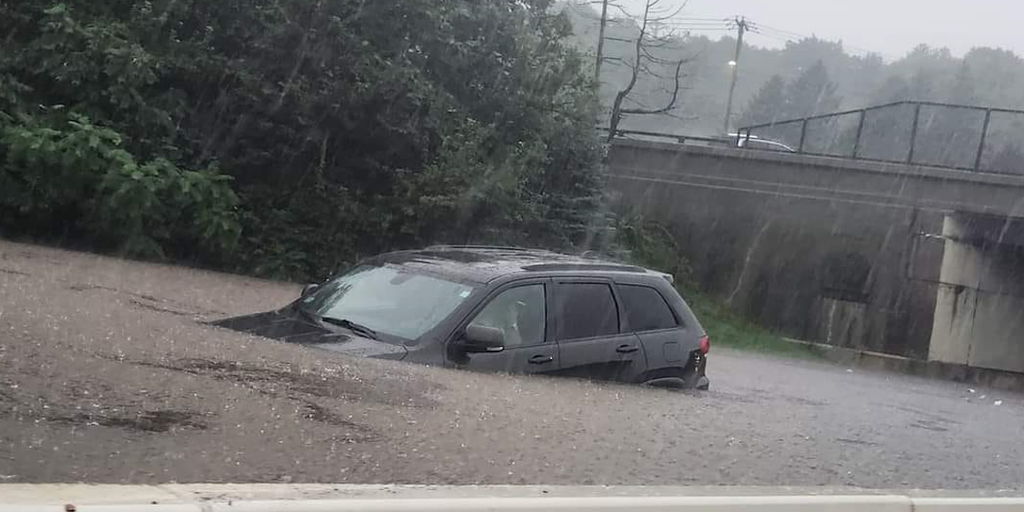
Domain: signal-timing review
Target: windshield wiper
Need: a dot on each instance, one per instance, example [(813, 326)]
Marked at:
[(361, 330)]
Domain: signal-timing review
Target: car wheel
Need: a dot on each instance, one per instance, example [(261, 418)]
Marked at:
[(666, 383)]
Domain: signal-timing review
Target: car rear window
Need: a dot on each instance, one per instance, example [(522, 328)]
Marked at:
[(646, 309), (585, 310)]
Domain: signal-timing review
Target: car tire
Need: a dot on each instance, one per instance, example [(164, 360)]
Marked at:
[(666, 383)]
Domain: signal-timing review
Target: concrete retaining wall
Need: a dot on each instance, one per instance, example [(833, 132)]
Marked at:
[(776, 257)]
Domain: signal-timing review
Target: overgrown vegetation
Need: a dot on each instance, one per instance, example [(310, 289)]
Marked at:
[(62, 172), (288, 138), (729, 329), (652, 245)]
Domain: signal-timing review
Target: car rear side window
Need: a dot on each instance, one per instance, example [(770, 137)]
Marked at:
[(585, 310), (646, 309)]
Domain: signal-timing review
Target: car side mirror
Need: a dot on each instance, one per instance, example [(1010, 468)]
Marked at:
[(309, 289), (482, 339)]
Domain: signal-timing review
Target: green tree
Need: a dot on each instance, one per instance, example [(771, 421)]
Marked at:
[(886, 131), (811, 93), (348, 127), (924, 86), (950, 136), (768, 105)]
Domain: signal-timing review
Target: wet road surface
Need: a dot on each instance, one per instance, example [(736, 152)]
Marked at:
[(107, 375)]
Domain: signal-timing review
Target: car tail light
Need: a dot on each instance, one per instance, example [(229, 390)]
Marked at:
[(705, 344)]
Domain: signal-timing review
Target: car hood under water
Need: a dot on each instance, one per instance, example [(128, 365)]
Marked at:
[(288, 326)]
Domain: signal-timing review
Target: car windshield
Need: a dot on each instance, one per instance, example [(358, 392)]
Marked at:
[(388, 299)]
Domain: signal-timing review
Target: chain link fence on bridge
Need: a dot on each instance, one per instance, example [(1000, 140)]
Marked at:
[(912, 132)]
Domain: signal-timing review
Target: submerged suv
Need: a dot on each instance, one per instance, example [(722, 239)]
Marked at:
[(501, 309)]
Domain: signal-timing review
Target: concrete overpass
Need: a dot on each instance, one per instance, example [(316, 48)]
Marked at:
[(919, 261)]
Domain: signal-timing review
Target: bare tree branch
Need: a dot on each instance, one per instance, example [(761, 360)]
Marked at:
[(671, 103), (661, 43), (647, 70), (669, 15), (620, 8), (650, 23), (678, 117), (650, 57)]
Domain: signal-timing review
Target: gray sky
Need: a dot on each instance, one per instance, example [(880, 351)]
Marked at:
[(890, 27)]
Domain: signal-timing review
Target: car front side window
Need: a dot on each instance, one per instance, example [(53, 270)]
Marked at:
[(520, 313)]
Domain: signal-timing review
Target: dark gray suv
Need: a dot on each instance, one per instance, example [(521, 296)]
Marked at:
[(501, 310)]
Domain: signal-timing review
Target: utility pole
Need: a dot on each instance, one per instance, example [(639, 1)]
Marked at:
[(741, 26), (600, 42)]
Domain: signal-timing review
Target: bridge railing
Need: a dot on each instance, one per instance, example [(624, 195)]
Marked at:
[(912, 132), (680, 138)]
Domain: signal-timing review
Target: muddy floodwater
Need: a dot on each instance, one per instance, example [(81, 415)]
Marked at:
[(108, 374)]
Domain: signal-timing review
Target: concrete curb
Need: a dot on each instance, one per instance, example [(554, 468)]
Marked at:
[(658, 504), (995, 379), (354, 498), (957, 504)]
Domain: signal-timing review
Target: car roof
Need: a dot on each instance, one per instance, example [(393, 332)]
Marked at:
[(772, 143), (483, 264)]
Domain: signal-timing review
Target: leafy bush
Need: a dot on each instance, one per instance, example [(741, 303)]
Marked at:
[(348, 127), (68, 171), (628, 235)]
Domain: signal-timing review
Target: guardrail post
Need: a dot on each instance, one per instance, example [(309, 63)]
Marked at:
[(981, 143), (860, 130), (913, 133), (803, 136)]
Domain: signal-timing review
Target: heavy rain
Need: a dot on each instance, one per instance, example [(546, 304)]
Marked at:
[(531, 242)]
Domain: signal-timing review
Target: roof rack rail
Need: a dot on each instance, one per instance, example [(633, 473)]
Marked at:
[(597, 266), (492, 247)]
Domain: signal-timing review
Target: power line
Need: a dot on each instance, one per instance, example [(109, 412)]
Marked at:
[(795, 39), (683, 18), (705, 25), (769, 35), (700, 23), (686, 25), (790, 36), (762, 26)]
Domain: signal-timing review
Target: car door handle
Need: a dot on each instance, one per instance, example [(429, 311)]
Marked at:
[(539, 359), (627, 349)]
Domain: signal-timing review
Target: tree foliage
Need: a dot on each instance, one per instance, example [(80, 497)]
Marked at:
[(768, 105), (67, 173), (811, 93), (323, 130)]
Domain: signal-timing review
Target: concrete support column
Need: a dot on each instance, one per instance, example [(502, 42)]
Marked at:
[(979, 310)]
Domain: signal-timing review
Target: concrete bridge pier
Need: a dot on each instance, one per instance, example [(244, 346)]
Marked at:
[(979, 310)]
